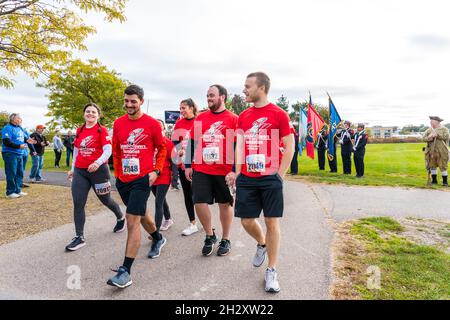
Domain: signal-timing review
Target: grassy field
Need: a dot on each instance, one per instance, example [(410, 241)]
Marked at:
[(400, 164), (49, 161), (412, 257)]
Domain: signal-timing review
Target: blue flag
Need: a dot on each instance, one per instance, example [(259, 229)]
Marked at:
[(303, 130), (335, 122)]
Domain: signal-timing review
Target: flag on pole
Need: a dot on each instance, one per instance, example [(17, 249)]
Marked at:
[(303, 130), (315, 124), (335, 122)]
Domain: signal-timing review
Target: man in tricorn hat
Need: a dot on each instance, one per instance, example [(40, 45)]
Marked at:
[(436, 152)]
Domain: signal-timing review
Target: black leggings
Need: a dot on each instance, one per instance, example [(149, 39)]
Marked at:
[(57, 157), (82, 182), (161, 206), (187, 191)]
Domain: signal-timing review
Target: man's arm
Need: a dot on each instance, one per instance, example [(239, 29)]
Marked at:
[(7, 142), (288, 142)]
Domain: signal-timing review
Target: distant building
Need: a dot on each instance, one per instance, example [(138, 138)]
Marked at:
[(382, 132)]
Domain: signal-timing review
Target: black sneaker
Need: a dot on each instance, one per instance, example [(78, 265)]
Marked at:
[(209, 245), (120, 226), (76, 243), (224, 247)]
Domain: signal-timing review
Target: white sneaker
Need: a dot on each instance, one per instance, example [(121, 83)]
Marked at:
[(271, 278), (23, 193), (166, 224), (190, 230), (13, 196)]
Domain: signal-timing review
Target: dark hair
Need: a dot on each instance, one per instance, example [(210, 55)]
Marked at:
[(163, 124), (262, 79), (191, 104), (135, 89), (222, 90), (99, 129)]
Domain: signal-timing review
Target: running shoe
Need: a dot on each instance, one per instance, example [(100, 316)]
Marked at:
[(190, 230), (155, 250), (271, 278), (209, 245), (121, 280), (224, 247), (166, 224), (13, 196), (260, 256), (76, 243), (120, 226)]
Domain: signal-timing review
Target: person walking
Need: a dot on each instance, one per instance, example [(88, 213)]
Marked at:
[(37, 157), (92, 148), (57, 148), (135, 138), (180, 138), (260, 172)]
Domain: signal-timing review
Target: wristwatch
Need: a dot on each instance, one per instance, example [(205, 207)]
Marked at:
[(157, 172)]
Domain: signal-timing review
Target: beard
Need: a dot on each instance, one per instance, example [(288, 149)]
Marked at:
[(213, 107), (132, 111)]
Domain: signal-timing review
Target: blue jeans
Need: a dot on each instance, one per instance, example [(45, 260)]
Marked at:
[(25, 160), (69, 153), (37, 164), (13, 172)]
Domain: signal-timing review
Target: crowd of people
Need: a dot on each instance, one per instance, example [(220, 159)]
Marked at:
[(236, 162)]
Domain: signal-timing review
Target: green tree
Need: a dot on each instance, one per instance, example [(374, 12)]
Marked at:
[(73, 86), (37, 35), (239, 104), (4, 119), (283, 103)]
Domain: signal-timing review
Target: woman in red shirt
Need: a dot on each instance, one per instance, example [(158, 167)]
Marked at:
[(161, 186), (180, 137), (92, 149)]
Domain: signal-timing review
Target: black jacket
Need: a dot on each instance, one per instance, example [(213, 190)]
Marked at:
[(40, 149)]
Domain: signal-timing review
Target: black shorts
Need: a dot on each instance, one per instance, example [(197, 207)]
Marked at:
[(209, 189), (134, 195), (254, 195)]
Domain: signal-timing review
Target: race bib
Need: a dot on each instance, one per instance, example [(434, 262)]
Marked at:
[(131, 166), (103, 188), (211, 154), (256, 163)]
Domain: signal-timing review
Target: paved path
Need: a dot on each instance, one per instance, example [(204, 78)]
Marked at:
[(36, 267)]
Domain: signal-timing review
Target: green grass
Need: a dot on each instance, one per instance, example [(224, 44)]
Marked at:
[(49, 162), (408, 270), (400, 164)]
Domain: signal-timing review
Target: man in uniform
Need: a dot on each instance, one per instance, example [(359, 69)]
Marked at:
[(436, 152), (359, 149), (322, 145), (345, 140)]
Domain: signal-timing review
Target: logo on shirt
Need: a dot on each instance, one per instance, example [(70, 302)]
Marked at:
[(87, 142), (136, 136), (216, 129), (258, 125)]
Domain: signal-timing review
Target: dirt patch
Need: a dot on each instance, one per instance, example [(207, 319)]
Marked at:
[(45, 207), (348, 266), (427, 232)]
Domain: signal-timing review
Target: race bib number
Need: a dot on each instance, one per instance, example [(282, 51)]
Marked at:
[(256, 163), (211, 154), (103, 188), (131, 166)]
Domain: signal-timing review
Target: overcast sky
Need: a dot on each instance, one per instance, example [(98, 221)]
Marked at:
[(383, 62)]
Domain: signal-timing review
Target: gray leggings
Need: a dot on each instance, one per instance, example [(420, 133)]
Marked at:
[(82, 182)]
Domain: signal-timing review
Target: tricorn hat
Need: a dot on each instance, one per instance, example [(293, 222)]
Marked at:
[(436, 118)]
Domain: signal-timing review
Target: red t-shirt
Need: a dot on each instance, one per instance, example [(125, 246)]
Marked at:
[(166, 174), (263, 129), (181, 133), (134, 143), (215, 135), (89, 143)]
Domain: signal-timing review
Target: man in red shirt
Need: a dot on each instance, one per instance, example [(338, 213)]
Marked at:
[(211, 147), (260, 170), (135, 137)]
